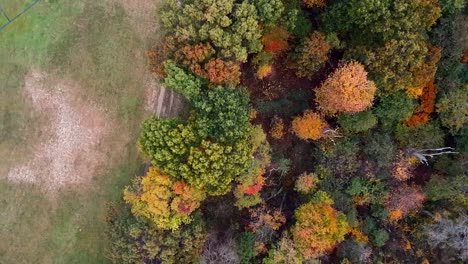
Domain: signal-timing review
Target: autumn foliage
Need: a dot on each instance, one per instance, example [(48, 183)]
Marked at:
[(275, 41), (402, 167), (311, 55), (166, 203), (305, 183), (277, 128), (315, 3), (264, 70), (309, 126), (346, 90), (403, 200), (318, 229), (426, 106), (223, 72)]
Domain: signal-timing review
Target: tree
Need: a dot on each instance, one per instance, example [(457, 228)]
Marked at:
[(358, 122), (395, 108), (426, 106), (223, 72), (311, 55), (381, 20), (318, 229), (231, 28), (182, 82), (134, 240), (205, 165), (166, 203), (306, 183), (309, 126), (403, 166), (269, 11), (194, 56), (222, 114), (403, 200), (315, 3), (346, 90), (284, 253), (393, 65), (450, 234), (212, 167), (448, 188), (277, 128), (167, 142), (453, 109)]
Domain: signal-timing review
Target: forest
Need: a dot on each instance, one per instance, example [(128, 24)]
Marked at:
[(318, 131)]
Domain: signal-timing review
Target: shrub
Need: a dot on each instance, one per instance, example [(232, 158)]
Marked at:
[(346, 90), (319, 227)]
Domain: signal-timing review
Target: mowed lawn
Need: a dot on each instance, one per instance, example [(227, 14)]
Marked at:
[(14, 7), (96, 45)]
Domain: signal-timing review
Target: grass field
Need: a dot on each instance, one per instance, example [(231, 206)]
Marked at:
[(99, 46)]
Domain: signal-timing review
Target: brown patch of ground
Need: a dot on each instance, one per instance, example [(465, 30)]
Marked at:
[(69, 149)]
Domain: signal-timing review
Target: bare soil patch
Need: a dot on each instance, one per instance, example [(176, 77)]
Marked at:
[(69, 148)]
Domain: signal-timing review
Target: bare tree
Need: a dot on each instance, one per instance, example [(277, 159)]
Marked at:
[(423, 154), (450, 234)]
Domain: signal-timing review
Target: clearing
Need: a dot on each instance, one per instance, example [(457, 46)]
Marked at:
[(74, 90)]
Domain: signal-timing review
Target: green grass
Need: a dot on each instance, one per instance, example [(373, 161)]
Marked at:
[(94, 44), (13, 8)]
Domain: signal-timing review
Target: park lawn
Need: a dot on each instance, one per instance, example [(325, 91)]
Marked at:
[(13, 8), (95, 44)]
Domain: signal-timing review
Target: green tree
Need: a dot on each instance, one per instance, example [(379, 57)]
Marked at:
[(394, 108), (222, 114), (358, 122), (269, 10), (393, 65), (231, 28), (453, 109), (381, 20), (135, 241), (182, 82)]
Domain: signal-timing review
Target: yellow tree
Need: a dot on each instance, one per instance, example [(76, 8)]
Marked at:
[(309, 126), (166, 203), (347, 90), (318, 229)]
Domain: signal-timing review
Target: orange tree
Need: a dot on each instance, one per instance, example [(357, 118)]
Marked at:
[(346, 90), (309, 126), (319, 228)]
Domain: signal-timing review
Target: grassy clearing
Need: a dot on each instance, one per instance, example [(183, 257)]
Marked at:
[(12, 8), (95, 44)]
